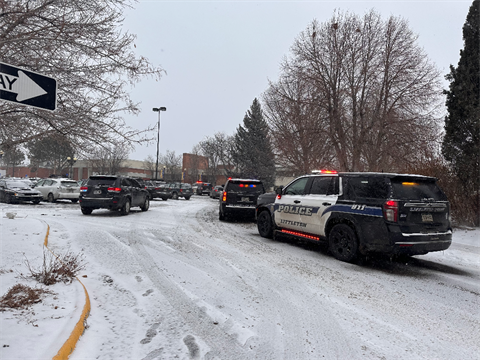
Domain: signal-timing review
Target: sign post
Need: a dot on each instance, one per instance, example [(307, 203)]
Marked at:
[(27, 88)]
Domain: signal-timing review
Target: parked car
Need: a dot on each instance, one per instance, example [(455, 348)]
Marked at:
[(181, 190), (164, 192), (18, 191), (59, 189), (114, 193), (216, 192), (360, 213), (200, 188), (154, 189), (239, 198)]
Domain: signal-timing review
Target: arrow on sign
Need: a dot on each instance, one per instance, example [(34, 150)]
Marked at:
[(23, 86)]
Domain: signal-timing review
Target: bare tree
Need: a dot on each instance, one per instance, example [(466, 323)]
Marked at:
[(173, 165), (108, 160), (51, 152), (375, 93), (219, 150), (209, 149), (81, 44), (149, 164), (12, 156), (298, 131)]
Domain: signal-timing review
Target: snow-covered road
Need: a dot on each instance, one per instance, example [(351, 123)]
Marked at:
[(174, 282)]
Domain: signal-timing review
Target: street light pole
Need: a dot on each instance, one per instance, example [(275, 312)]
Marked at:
[(71, 162), (158, 137)]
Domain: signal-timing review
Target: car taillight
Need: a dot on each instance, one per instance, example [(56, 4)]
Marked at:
[(83, 189), (224, 197), (114, 189), (390, 210)]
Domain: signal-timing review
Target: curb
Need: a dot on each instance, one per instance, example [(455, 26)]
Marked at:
[(79, 328)]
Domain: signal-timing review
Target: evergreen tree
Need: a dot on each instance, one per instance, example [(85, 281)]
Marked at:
[(253, 151), (461, 144), (51, 151)]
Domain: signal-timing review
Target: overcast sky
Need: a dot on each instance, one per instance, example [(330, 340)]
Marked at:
[(219, 55)]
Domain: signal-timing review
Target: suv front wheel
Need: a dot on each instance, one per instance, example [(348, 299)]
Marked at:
[(343, 243), (146, 204)]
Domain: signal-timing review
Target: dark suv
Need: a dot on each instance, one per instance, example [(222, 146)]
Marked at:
[(360, 213), (239, 198), (181, 190), (114, 193)]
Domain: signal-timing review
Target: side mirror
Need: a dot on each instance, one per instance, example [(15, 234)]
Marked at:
[(279, 191)]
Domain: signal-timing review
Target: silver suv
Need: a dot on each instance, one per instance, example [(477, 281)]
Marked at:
[(58, 189)]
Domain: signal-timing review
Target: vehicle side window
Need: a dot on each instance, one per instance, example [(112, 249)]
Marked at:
[(135, 183), (297, 188), (48, 183), (364, 187), (126, 182), (324, 185)]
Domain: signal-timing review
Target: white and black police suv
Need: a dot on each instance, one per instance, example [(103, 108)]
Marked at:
[(360, 213)]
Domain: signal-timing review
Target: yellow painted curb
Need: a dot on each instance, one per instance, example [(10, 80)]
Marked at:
[(79, 328)]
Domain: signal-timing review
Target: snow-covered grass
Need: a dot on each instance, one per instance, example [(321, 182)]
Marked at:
[(174, 282)]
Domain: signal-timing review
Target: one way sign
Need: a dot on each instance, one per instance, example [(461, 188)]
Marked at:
[(27, 88)]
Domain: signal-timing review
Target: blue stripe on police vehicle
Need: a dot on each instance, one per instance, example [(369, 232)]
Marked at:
[(356, 209)]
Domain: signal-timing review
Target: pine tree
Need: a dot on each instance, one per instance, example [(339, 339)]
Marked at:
[(461, 144), (253, 151)]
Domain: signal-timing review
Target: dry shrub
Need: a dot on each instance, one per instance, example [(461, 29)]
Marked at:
[(21, 296), (63, 268)]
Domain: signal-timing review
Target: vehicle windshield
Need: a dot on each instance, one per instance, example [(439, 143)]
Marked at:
[(417, 189)]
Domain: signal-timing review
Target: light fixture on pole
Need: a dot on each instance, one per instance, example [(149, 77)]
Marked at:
[(158, 137), (71, 161)]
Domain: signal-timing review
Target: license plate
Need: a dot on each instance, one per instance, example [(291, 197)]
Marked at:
[(427, 218), (96, 192), (245, 199)]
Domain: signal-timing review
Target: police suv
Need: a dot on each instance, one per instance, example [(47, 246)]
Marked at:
[(360, 213)]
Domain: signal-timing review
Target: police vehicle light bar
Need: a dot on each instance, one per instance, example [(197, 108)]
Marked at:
[(324, 172)]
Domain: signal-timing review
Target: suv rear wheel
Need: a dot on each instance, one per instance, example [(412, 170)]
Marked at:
[(125, 210), (175, 196), (86, 210), (264, 225), (221, 214), (51, 198), (343, 243)]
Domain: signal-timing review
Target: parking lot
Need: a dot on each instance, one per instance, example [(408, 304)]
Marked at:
[(174, 281)]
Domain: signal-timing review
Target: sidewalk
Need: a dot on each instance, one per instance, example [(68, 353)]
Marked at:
[(39, 331)]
